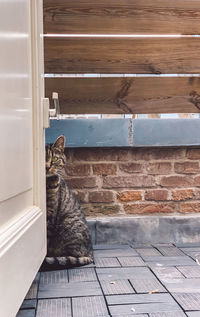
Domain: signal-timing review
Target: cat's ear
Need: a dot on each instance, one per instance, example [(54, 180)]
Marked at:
[(60, 143)]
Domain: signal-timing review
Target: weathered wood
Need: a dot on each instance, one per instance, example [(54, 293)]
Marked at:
[(126, 95), (122, 55), (122, 16)]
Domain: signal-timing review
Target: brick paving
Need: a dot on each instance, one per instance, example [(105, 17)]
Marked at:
[(159, 280)]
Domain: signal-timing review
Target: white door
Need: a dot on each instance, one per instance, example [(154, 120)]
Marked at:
[(22, 174)]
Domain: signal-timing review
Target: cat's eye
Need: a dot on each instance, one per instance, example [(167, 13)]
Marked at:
[(54, 159)]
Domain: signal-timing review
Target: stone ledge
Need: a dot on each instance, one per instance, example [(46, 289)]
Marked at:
[(146, 229)]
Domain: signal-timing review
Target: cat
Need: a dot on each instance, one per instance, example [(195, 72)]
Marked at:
[(68, 237)]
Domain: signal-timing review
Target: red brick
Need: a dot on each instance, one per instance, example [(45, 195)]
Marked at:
[(190, 207), (197, 193), (197, 181), (131, 167), (129, 195), (159, 168), (99, 154), (100, 210), (145, 208), (168, 154), (104, 169), (157, 194), (77, 169), (78, 182), (182, 194), (101, 197), (186, 167), (157, 154), (193, 154), (128, 181), (176, 181), (81, 196)]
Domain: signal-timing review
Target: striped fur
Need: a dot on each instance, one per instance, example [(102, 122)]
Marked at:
[(68, 237)]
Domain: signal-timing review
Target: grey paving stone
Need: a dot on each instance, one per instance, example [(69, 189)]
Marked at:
[(144, 308), (185, 285), (122, 273), (188, 301), (191, 250), (117, 287), (54, 277), (193, 314), (187, 244), (26, 313), (148, 252), (147, 285), (195, 257), (89, 306), (115, 252), (88, 265), (169, 314), (28, 304), (139, 299), (60, 307), (82, 275), (110, 246), (162, 244), (131, 261), (166, 272), (190, 271), (170, 251), (107, 262), (141, 245), (32, 293), (140, 315), (69, 290), (169, 261), (193, 253)]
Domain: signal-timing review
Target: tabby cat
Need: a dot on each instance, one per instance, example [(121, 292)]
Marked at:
[(68, 237)]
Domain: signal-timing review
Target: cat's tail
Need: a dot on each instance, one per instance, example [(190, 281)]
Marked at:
[(64, 262)]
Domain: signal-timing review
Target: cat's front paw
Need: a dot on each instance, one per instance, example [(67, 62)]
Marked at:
[(85, 260)]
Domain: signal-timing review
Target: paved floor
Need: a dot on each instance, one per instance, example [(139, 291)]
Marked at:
[(142, 281)]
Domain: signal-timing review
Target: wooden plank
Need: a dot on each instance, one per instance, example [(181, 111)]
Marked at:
[(126, 95), (122, 55), (122, 16)]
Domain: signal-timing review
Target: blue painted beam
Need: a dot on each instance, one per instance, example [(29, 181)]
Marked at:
[(91, 132), (125, 132), (166, 132)]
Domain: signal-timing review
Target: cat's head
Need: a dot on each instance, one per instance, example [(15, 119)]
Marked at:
[(55, 156)]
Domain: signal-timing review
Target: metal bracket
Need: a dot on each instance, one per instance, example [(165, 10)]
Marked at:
[(50, 113), (45, 103), (55, 112)]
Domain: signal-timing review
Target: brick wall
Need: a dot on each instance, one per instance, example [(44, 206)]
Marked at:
[(135, 181)]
